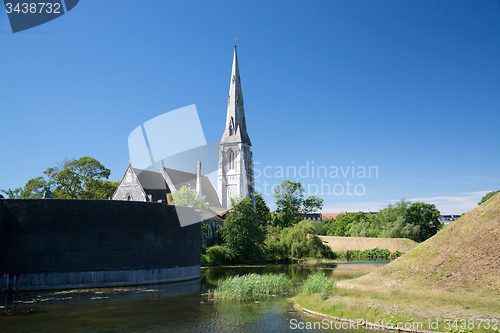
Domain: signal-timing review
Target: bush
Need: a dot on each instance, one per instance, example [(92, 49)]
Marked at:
[(319, 283), (251, 286), (204, 259), (297, 242), (375, 253), (218, 255)]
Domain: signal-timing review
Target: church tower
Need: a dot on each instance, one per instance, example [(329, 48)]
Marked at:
[(235, 178)]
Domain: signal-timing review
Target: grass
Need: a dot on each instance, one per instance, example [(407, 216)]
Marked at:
[(251, 287), (396, 305), (319, 283)]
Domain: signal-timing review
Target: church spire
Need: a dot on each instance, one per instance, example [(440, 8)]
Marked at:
[(236, 128)]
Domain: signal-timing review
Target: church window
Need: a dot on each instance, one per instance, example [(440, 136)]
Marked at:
[(129, 197), (231, 160), (231, 126)]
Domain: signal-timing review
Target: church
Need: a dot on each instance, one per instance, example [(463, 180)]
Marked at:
[(235, 177)]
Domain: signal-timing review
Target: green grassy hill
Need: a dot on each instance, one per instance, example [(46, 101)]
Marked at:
[(453, 275), (464, 254)]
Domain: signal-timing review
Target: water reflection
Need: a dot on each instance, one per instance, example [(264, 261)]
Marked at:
[(179, 307)]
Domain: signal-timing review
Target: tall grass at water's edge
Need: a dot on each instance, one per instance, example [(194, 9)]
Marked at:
[(251, 287)]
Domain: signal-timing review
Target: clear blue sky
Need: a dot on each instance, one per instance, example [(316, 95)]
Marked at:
[(411, 87)]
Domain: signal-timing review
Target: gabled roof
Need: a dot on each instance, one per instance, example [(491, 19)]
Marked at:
[(180, 178), (152, 183)]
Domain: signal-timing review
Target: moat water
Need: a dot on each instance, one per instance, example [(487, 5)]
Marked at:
[(177, 307)]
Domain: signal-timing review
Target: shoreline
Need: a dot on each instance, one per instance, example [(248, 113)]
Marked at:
[(366, 325)]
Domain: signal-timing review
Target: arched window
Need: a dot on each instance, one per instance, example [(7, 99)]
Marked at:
[(231, 160), (129, 197), (231, 126)]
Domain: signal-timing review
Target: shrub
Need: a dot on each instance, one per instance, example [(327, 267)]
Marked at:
[(296, 242), (375, 253), (319, 283), (219, 255), (204, 259)]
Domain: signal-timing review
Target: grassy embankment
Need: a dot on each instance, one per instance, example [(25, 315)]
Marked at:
[(455, 274), (342, 244)]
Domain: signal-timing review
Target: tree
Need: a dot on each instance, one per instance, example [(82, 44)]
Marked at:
[(290, 202), (312, 204), (85, 178), (187, 197), (80, 179), (426, 217), (263, 212), (241, 233), (34, 188), (102, 189), (485, 198), (342, 224), (289, 198), (296, 242), (15, 193)]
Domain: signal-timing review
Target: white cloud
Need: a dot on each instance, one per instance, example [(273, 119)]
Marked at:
[(454, 204), (446, 204)]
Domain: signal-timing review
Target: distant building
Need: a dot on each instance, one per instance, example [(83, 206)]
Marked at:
[(447, 219), (312, 216), (325, 216)]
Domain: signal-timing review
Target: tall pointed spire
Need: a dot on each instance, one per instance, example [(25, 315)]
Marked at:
[(236, 128)]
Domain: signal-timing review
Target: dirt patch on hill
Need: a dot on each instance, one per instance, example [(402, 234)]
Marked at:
[(365, 243)]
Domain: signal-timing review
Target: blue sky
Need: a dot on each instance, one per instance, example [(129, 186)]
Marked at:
[(411, 87)]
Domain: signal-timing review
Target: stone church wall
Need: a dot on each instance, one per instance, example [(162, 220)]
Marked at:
[(62, 243)]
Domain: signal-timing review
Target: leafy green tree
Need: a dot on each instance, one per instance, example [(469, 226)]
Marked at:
[(289, 198), (102, 189), (15, 193), (85, 178), (187, 197), (342, 224), (366, 227), (392, 212), (241, 232), (426, 217), (264, 217), (290, 202), (487, 196), (296, 242), (34, 188), (79, 179), (312, 204)]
